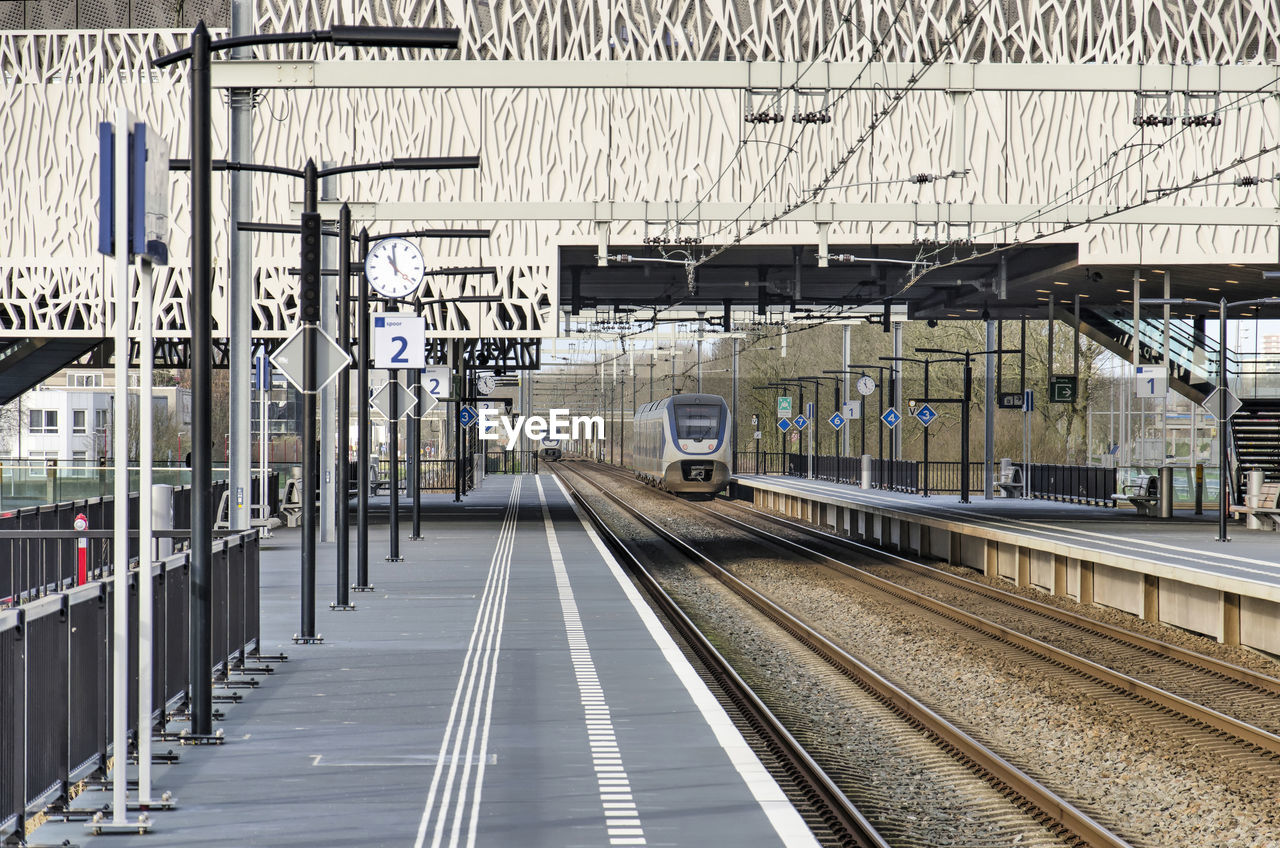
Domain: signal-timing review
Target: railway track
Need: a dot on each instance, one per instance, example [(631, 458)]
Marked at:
[(826, 809), (1027, 796), (1205, 693), (1248, 696)]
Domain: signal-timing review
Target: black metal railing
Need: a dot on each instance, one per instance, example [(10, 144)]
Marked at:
[(1069, 483), (435, 475), (35, 561), (1072, 483), (55, 697), (511, 462), (761, 462)]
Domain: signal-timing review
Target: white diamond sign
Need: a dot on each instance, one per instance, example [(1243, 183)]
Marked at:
[(427, 403), (381, 400), (1211, 402), (331, 359)]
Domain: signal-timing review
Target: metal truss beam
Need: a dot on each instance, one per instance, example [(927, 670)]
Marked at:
[(759, 76), (816, 213)]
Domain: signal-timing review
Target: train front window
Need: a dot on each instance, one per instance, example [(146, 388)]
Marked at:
[(697, 421)]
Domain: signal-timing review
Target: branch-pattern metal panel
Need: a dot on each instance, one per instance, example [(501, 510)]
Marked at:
[(1068, 31), (658, 146)]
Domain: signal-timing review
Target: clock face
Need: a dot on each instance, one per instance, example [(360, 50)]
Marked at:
[(866, 385), (394, 267), (486, 384)]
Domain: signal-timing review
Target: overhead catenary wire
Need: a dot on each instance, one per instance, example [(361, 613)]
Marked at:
[(811, 194)]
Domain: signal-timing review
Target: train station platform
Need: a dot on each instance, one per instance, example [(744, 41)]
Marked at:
[(504, 685), (1170, 570)]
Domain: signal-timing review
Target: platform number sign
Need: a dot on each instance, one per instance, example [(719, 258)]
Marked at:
[(1150, 381), (399, 342), (436, 380)]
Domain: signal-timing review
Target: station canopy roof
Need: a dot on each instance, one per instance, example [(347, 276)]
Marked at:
[(751, 276)]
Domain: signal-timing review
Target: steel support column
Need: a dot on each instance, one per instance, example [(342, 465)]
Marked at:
[(200, 316), (240, 287)]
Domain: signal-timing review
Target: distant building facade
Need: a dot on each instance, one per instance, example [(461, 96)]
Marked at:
[(70, 417)]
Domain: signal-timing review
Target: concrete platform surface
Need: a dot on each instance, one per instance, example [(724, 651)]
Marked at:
[(505, 686)]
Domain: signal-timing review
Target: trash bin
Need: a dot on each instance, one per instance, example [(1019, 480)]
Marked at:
[(1253, 496)]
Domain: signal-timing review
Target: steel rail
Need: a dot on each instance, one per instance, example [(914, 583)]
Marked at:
[(837, 812), (1117, 681), (1059, 811), (1211, 665)]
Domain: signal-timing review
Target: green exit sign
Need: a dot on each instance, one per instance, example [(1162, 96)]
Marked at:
[(1063, 388)]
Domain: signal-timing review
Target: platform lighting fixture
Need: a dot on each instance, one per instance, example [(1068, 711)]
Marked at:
[(199, 55), (1058, 283), (848, 257)]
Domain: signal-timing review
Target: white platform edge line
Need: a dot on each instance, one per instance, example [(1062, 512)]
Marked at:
[(786, 821)]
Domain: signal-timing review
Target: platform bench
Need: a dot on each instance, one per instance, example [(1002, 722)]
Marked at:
[(1269, 505), (1143, 493), (1010, 485)]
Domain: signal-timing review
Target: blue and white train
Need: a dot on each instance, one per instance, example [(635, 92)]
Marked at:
[(682, 444)]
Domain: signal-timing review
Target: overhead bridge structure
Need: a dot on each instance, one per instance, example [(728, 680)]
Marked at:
[(1004, 147), (946, 159)]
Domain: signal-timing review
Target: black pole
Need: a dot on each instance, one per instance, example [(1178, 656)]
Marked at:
[(414, 458), (309, 310), (893, 451), (1223, 475), (880, 446), (201, 670), (926, 435), (835, 401), (964, 429), (363, 450), (343, 598), (393, 451), (458, 429), (800, 441)]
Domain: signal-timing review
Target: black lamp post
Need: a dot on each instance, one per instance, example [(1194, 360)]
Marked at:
[(835, 407), (790, 384), (199, 314), (926, 363), (966, 402), (880, 383), (309, 314)]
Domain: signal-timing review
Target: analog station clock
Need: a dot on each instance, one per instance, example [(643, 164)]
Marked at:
[(486, 384), (866, 385), (394, 268)]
